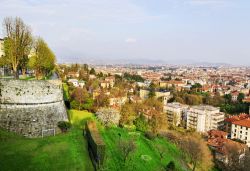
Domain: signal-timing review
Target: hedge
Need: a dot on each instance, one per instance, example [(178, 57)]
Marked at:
[(96, 145)]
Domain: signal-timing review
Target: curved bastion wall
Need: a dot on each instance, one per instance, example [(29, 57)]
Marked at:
[(31, 108)]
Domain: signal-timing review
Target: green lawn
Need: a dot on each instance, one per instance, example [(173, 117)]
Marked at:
[(144, 147), (78, 118), (64, 152)]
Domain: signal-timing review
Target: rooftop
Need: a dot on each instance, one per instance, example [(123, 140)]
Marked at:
[(237, 117), (205, 107), (176, 105), (243, 122)]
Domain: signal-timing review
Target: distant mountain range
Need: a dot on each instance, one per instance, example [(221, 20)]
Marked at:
[(140, 61)]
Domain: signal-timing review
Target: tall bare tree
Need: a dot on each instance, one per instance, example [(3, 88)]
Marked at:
[(17, 44), (196, 150)]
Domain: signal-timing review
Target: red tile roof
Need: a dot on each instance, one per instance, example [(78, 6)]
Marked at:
[(216, 133), (237, 117), (244, 122)]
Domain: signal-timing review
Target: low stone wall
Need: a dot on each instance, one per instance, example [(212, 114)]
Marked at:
[(29, 107)]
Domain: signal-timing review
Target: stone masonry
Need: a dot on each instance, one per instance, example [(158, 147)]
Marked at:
[(28, 107)]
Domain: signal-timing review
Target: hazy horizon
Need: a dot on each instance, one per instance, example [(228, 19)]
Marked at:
[(215, 31)]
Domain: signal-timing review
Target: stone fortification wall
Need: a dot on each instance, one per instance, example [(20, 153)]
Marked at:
[(30, 107), (30, 92)]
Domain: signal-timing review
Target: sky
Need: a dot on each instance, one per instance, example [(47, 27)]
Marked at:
[(172, 31)]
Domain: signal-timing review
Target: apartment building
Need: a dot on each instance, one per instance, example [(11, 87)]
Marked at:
[(176, 113), (144, 94), (241, 130), (203, 118)]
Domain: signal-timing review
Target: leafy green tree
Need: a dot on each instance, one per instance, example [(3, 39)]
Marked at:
[(240, 97), (228, 98), (196, 86), (92, 71), (128, 114), (141, 124), (43, 59), (79, 96)]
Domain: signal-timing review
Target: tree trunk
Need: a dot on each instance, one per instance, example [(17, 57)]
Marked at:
[(15, 72), (24, 72)]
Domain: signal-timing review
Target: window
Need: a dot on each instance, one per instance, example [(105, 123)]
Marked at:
[(241, 127), (240, 131), (246, 138), (235, 130), (246, 133)]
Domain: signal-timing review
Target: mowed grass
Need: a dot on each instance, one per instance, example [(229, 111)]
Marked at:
[(79, 118), (64, 152), (145, 147)]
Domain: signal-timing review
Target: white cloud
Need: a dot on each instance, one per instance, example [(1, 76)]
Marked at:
[(130, 40)]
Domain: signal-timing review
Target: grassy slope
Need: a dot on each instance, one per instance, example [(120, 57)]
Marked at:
[(65, 91), (62, 152), (69, 152), (144, 147)]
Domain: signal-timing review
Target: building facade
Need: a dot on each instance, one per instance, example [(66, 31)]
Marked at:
[(241, 130), (176, 113), (203, 118)]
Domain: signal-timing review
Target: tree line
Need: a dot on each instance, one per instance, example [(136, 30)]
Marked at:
[(22, 51)]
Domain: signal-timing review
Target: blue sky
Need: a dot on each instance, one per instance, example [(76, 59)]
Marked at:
[(169, 30)]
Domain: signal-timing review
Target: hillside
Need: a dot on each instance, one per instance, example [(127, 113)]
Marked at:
[(69, 152)]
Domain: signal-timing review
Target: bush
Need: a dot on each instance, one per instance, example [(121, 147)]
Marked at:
[(64, 125), (170, 166), (150, 135), (141, 124)]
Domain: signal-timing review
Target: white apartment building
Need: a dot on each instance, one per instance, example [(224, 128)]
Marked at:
[(241, 130), (176, 112), (203, 118)]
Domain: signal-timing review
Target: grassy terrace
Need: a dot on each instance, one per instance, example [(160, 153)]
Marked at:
[(69, 151), (61, 152)]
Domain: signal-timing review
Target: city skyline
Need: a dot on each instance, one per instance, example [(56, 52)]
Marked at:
[(214, 31)]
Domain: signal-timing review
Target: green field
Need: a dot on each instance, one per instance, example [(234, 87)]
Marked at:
[(145, 147), (64, 152)]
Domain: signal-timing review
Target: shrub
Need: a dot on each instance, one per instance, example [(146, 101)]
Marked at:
[(64, 125), (141, 124), (150, 135), (170, 166)]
